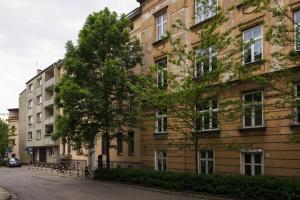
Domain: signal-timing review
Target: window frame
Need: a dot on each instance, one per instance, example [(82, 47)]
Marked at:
[(39, 117), (39, 82), (253, 111), (120, 146), (39, 99), (295, 30), (206, 159), (162, 71), (30, 88), (161, 25), (200, 53), (29, 134), (38, 135), (211, 110), (164, 160), (30, 120), (296, 108), (252, 164), (30, 104), (198, 8), (161, 117), (253, 44)]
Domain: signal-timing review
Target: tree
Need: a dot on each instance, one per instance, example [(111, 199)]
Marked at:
[(215, 66), (95, 91), (6, 136)]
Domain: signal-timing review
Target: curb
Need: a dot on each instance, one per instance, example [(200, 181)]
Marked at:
[(183, 193), (4, 194)]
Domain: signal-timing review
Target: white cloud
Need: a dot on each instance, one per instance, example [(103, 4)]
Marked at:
[(35, 31)]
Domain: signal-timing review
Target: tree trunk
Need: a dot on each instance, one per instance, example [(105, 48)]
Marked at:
[(107, 149)]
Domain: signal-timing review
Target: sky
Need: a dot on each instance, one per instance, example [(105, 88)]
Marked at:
[(33, 34)]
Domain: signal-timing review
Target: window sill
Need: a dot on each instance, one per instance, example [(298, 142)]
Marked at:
[(254, 63), (253, 129), (160, 136), (213, 131), (159, 42), (199, 24)]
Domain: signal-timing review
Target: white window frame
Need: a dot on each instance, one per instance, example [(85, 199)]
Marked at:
[(297, 98), (39, 82), (30, 88), (210, 111), (30, 104), (164, 161), (52, 151), (30, 120), (39, 99), (29, 134), (296, 26), (253, 164), (253, 44), (161, 117), (206, 159), (201, 16), (161, 26), (253, 112), (200, 53), (39, 117), (162, 71), (38, 134)]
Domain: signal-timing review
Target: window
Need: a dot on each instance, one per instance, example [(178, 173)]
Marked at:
[(120, 139), (252, 162), (205, 9), (253, 45), (30, 120), (205, 61), (39, 135), (161, 26), (161, 160), (39, 99), (52, 151), (30, 104), (38, 117), (253, 109), (161, 120), (206, 162), (29, 136), (297, 103), (39, 82), (79, 151), (297, 30), (162, 73), (104, 144), (207, 115), (30, 88), (130, 143)]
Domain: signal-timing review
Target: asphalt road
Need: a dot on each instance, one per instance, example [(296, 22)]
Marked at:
[(28, 185)]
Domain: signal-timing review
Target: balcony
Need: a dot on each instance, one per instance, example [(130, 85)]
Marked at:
[(49, 120), (50, 83), (49, 102)]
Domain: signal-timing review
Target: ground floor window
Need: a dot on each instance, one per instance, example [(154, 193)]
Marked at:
[(252, 162), (52, 151), (161, 160), (206, 162)]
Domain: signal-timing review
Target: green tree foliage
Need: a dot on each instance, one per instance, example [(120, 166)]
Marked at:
[(95, 92), (6, 135)]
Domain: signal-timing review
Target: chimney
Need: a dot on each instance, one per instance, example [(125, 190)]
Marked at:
[(39, 71)]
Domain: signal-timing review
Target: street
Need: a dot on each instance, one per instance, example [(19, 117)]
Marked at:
[(27, 185)]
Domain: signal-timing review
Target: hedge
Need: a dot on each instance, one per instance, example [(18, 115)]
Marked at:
[(234, 186), (2, 163)]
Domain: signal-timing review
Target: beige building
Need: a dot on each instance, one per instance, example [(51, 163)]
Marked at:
[(19, 151), (267, 138)]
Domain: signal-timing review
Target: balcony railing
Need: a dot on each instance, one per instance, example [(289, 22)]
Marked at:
[(49, 102), (49, 83)]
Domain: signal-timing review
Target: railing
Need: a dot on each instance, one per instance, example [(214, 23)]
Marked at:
[(49, 82)]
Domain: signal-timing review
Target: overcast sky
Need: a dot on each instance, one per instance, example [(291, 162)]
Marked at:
[(33, 34)]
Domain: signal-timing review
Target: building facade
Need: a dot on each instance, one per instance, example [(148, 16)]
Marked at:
[(38, 114), (19, 150), (265, 138)]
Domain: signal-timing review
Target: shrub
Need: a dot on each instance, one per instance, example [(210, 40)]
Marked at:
[(236, 186), (2, 163)]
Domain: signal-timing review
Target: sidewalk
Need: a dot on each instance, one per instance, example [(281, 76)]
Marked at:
[(4, 194)]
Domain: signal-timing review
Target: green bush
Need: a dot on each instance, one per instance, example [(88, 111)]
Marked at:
[(2, 163), (235, 186)]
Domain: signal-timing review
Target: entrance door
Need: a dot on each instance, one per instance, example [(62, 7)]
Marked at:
[(42, 154)]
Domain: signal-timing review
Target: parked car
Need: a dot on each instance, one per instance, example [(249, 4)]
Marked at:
[(13, 162)]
